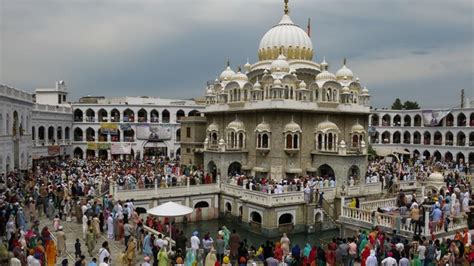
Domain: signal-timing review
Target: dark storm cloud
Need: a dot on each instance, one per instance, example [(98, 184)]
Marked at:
[(419, 50)]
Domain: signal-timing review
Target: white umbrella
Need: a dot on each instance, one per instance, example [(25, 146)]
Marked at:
[(170, 209)]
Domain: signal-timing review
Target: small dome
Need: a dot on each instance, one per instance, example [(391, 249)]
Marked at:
[(227, 74), (263, 127), (247, 66), (325, 76), (240, 76), (236, 125), (292, 127), (436, 177), (277, 83), (326, 125), (280, 65), (345, 90), (213, 127), (209, 91), (344, 73), (302, 85), (358, 128), (324, 65), (257, 86), (365, 92), (289, 36)]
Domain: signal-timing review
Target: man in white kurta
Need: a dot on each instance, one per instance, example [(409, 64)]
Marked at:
[(110, 227)]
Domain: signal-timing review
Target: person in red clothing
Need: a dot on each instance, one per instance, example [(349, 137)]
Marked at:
[(331, 254), (278, 254), (312, 254), (365, 254)]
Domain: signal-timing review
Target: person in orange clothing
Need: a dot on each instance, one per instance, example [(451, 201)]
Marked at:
[(466, 237), (458, 236), (51, 253), (278, 254)]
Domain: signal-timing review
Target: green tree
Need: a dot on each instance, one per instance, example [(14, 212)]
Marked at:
[(397, 105), (409, 105)]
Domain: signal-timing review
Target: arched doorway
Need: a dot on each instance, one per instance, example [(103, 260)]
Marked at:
[(326, 171), (235, 168), (437, 156), (416, 154), (212, 169), (448, 157), (78, 153), (103, 154), (285, 219), (353, 172), (255, 217), (426, 154), (228, 207), (460, 158)]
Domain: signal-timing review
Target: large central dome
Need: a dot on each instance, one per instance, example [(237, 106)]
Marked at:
[(288, 38)]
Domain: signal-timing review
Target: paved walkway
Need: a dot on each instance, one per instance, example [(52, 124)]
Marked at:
[(73, 230)]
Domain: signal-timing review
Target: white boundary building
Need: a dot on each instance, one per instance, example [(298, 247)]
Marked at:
[(416, 133), (129, 126)]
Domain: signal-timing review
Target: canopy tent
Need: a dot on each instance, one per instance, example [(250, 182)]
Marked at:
[(170, 209)]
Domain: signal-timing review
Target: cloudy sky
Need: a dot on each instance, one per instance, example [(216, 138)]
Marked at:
[(416, 50)]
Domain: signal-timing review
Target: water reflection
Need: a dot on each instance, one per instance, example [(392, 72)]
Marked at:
[(255, 239)]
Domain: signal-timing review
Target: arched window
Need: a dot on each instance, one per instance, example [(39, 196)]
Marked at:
[(397, 120), (41, 133), (142, 115), (129, 135), (386, 137), (461, 139), (416, 138), (128, 115), (295, 141), (78, 134), (289, 141), (50, 134), (386, 120), (449, 138), (194, 113), (438, 138), (417, 121), (114, 115), (427, 138), (396, 137), (102, 115), (407, 121), (59, 133), (33, 133), (241, 140), (90, 115), (165, 116), (180, 114), (265, 140), (461, 120), (67, 133), (178, 134), (374, 120), (90, 134), (78, 115), (406, 137), (155, 116), (449, 120)]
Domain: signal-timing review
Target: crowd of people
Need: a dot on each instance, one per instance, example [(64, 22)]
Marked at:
[(75, 191)]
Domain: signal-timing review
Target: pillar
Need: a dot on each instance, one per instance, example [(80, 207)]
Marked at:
[(427, 223)]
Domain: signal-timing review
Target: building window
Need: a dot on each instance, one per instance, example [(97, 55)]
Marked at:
[(188, 150), (59, 98), (188, 132)]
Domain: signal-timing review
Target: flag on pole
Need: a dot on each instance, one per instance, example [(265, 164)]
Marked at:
[(309, 27)]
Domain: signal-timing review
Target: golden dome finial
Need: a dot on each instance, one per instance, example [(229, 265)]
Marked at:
[(286, 7), (228, 62)]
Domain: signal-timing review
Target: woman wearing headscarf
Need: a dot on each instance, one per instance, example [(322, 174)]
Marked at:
[(211, 258), (147, 245), (306, 252), (285, 244), (130, 253), (278, 254), (90, 242), (163, 257), (51, 253)]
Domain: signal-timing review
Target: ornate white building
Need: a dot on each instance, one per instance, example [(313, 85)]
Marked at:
[(33, 126), (129, 127), (406, 131), (286, 115)]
